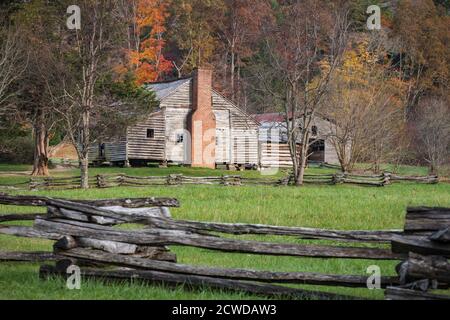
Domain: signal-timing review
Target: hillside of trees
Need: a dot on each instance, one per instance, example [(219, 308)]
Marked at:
[(387, 89)]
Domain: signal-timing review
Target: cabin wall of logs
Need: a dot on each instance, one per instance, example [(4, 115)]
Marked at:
[(123, 180), (85, 234)]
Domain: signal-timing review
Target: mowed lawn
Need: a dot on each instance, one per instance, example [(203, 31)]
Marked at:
[(338, 207)]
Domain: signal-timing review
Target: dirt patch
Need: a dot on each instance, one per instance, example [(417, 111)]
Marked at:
[(64, 150)]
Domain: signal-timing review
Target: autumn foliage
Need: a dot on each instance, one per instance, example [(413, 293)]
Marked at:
[(146, 59)]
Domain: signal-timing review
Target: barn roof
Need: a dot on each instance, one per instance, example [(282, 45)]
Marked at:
[(270, 117), (281, 117), (164, 89)]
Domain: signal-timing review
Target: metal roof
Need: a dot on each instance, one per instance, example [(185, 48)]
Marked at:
[(164, 89)]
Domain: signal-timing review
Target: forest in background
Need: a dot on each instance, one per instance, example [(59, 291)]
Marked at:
[(395, 78)]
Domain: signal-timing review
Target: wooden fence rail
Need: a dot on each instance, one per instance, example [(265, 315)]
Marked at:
[(123, 180), (85, 235)]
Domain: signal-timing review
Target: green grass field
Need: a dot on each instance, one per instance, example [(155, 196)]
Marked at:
[(339, 207)]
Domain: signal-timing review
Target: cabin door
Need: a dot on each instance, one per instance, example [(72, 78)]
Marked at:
[(223, 150)]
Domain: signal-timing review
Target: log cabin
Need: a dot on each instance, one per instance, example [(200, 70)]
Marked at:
[(193, 125), (274, 150)]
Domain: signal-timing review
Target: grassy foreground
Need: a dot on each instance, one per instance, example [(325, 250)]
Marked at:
[(338, 207)]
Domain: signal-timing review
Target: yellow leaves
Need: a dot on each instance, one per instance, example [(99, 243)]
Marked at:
[(364, 84)]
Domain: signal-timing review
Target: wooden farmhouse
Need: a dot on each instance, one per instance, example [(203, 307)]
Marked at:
[(194, 125), (274, 150)]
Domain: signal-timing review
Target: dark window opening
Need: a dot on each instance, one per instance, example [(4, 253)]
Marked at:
[(180, 138), (102, 150), (150, 133), (317, 151), (314, 130), (318, 146)]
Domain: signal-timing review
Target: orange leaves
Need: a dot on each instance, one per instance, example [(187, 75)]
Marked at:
[(148, 62), (151, 13)]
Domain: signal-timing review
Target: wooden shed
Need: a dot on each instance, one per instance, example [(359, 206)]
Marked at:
[(274, 150), (194, 125)]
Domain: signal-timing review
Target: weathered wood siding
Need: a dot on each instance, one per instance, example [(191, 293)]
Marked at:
[(243, 144), (275, 155), (176, 124), (140, 147), (114, 151), (177, 107), (278, 155), (223, 141), (330, 153), (94, 153), (230, 122), (237, 132), (180, 98), (324, 132)]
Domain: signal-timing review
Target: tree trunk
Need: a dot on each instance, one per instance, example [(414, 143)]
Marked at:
[(303, 158), (233, 67), (301, 171), (84, 154), (295, 161), (432, 169), (41, 142), (84, 168)]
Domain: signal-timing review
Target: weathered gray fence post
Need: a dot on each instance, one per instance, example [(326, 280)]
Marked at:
[(174, 179), (386, 178), (101, 183), (338, 178), (231, 180)]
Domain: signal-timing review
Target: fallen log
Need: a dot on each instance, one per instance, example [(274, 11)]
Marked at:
[(126, 202), (236, 274), (199, 282), (393, 293), (421, 245), (155, 237), (27, 256)]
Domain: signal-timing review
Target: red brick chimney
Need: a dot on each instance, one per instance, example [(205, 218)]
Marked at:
[(203, 121)]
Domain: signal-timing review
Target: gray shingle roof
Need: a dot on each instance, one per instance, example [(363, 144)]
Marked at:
[(164, 89)]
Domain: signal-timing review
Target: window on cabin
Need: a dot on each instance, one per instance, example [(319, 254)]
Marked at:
[(314, 130), (180, 138), (150, 133)]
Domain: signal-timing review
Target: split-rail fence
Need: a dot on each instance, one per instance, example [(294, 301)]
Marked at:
[(124, 180), (85, 235)]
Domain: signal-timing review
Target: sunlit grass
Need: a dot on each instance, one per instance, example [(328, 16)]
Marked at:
[(338, 207)]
